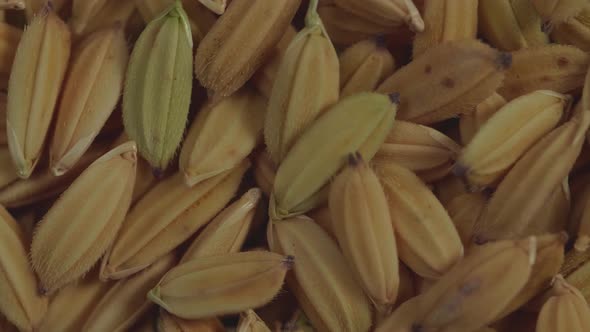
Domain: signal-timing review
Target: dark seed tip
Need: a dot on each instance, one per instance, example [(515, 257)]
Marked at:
[(547, 27), (480, 239), (487, 192), (48, 7), (158, 173), (460, 170), (354, 159), (504, 60), (394, 97), (289, 261), (417, 328), (381, 41)]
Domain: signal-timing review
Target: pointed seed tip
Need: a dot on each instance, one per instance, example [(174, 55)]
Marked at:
[(130, 156), (394, 98), (24, 173), (153, 294), (557, 280), (59, 170), (415, 21)]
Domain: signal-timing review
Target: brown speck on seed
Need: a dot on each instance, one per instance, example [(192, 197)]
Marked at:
[(480, 240), (447, 82), (417, 328), (562, 62)]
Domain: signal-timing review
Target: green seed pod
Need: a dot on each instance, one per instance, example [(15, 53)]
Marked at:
[(158, 87)]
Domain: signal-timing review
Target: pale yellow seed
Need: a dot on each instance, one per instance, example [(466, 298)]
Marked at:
[(90, 95), (83, 222), (220, 285), (20, 302), (37, 73)]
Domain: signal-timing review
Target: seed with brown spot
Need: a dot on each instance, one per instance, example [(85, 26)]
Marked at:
[(447, 82), (417, 328), (428, 69), (562, 62)]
